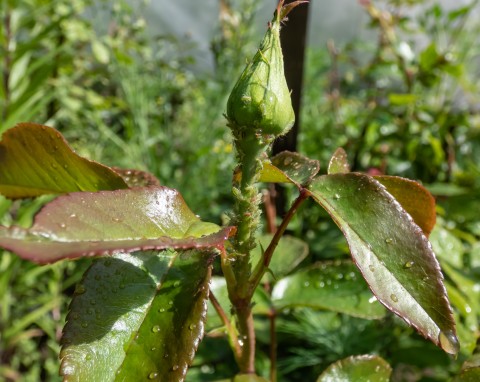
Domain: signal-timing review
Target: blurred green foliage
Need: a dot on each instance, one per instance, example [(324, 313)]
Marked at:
[(403, 102)]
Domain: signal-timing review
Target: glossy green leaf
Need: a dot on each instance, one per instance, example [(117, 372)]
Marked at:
[(392, 253), (37, 160), (137, 317), (89, 224), (339, 162), (289, 253), (414, 198), (357, 368), (338, 287), (289, 167)]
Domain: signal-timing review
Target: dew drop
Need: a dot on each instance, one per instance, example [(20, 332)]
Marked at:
[(152, 375), (371, 267), (88, 357), (192, 326), (409, 264), (170, 302), (176, 283), (394, 297), (84, 324), (336, 197), (62, 225), (175, 367), (389, 240), (449, 342), (73, 216), (156, 329), (161, 310), (306, 284), (153, 348)]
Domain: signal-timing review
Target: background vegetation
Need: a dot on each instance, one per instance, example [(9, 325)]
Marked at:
[(405, 102)]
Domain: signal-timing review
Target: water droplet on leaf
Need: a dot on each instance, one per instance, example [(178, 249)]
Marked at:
[(409, 264), (175, 367), (152, 375), (156, 329), (394, 297), (449, 342), (79, 289), (389, 240)]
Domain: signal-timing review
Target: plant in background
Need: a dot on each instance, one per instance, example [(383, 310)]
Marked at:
[(141, 308)]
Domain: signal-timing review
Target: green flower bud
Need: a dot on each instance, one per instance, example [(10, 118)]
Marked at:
[(260, 100)]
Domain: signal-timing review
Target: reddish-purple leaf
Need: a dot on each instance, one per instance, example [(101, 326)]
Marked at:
[(137, 178), (392, 253), (101, 223), (414, 198)]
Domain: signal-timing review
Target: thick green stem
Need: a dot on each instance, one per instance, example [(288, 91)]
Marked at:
[(247, 208), (246, 217)]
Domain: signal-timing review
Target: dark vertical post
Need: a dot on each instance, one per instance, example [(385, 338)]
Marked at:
[(293, 39)]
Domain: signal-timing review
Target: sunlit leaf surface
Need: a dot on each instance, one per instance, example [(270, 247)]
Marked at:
[(36, 160), (289, 167), (101, 223), (338, 287), (392, 253), (137, 318), (357, 368), (339, 162)]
